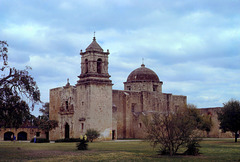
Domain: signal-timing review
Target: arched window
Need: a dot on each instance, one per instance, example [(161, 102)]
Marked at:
[(86, 66), (99, 66)]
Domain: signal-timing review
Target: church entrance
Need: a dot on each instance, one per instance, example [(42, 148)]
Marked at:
[(66, 130), (113, 134)]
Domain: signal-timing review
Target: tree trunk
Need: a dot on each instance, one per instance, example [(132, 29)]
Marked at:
[(207, 134), (236, 136)]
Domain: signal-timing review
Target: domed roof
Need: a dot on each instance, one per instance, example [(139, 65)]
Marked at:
[(143, 74)]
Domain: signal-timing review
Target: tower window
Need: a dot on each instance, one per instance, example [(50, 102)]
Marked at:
[(66, 105), (155, 87), (99, 66), (129, 88), (86, 66), (133, 107), (82, 126)]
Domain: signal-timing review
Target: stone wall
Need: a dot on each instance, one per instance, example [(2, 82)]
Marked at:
[(61, 108), (143, 86), (130, 106), (95, 106), (215, 131), (86, 106)]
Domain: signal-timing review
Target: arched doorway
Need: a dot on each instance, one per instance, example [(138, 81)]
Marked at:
[(22, 136), (66, 130), (47, 135), (8, 136)]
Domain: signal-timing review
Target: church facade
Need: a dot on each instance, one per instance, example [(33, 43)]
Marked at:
[(93, 104)]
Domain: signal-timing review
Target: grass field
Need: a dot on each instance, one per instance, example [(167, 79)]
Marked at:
[(212, 150)]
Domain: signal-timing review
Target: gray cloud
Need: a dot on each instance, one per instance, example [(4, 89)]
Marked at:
[(192, 45)]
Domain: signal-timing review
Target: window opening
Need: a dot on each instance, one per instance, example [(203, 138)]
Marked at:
[(82, 126), (86, 66), (99, 66), (133, 107), (66, 105), (155, 87), (38, 134)]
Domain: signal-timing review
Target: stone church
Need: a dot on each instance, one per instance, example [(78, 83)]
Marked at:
[(92, 103)]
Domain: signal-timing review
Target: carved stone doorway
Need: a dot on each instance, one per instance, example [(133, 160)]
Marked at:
[(113, 134), (66, 130)]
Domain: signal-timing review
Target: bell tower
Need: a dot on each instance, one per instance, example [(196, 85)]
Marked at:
[(94, 64), (94, 91)]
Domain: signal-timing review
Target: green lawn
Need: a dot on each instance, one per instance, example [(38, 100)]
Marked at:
[(212, 150)]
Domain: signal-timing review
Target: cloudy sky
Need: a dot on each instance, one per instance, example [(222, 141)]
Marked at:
[(193, 45)]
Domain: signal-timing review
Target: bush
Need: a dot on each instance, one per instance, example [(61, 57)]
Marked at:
[(82, 145), (92, 134), (163, 152), (68, 140), (193, 147), (40, 140)]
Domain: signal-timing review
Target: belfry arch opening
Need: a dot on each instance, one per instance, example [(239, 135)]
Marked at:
[(66, 130), (86, 66), (99, 66)]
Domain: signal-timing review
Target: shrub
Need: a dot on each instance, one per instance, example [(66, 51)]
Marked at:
[(92, 134), (163, 152), (82, 145), (40, 140), (68, 140), (193, 147)]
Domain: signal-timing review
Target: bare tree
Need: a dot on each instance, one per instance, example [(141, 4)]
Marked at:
[(169, 130)]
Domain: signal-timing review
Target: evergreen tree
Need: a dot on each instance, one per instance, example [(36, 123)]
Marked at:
[(16, 86), (229, 117)]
